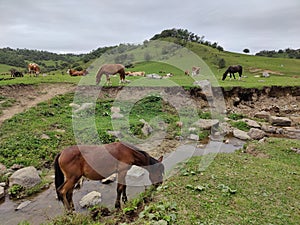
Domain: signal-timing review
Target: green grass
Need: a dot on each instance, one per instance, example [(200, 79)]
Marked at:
[(176, 62), (237, 188)]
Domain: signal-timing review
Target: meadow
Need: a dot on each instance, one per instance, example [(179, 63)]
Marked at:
[(245, 187)]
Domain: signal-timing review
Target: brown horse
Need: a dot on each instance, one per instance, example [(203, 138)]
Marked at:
[(98, 162), (111, 69), (77, 72)]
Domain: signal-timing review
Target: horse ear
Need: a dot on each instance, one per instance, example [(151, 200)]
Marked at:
[(160, 159)]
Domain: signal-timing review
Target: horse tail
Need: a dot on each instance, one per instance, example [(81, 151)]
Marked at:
[(59, 177)]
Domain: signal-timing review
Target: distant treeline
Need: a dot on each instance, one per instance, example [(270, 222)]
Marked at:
[(21, 58), (287, 53), (184, 36)]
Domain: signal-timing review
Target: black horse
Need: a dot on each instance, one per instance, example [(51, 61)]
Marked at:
[(16, 73), (232, 70)]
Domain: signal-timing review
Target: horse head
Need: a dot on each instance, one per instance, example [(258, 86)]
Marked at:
[(156, 172)]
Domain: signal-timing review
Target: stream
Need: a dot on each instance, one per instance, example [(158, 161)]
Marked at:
[(44, 206)]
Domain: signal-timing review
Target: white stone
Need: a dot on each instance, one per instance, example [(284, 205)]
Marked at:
[(91, 199)]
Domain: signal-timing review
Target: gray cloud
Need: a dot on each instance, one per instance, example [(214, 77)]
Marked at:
[(81, 26)]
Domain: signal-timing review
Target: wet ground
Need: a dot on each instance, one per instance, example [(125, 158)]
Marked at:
[(45, 206)]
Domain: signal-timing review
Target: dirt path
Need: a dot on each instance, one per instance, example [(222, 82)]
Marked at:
[(27, 96)]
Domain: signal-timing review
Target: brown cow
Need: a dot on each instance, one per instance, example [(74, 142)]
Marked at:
[(34, 68), (77, 73)]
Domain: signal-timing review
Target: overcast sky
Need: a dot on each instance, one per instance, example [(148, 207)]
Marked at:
[(71, 26)]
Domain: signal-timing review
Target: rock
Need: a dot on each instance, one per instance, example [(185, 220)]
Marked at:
[(2, 192), (115, 109), (2, 184), (154, 76), (109, 179), (147, 129), (117, 116), (91, 199), (45, 137), (27, 177), (262, 115), (207, 124), (2, 169), (256, 134), (268, 128), (194, 137), (23, 205), (136, 172), (84, 106), (251, 123), (225, 128), (295, 119), (241, 134), (16, 167), (280, 121)]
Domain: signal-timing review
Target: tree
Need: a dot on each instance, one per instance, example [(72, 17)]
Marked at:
[(246, 50)]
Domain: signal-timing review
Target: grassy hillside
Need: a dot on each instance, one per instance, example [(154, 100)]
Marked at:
[(161, 58)]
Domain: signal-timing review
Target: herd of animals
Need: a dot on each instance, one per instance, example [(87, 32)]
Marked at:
[(112, 69)]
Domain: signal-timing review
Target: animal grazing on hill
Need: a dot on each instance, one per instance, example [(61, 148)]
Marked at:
[(195, 70), (77, 72), (111, 69), (232, 70), (98, 162), (16, 73), (34, 68)]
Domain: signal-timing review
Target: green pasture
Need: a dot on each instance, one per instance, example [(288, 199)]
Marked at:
[(163, 59)]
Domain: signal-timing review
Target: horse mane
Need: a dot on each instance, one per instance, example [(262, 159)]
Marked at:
[(152, 161)]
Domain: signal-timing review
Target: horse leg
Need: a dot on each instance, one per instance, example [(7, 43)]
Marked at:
[(66, 191), (124, 195), (121, 188)]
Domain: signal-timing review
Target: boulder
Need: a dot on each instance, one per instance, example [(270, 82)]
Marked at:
[(206, 124), (256, 134), (27, 177), (91, 199), (241, 134), (268, 128), (136, 172), (262, 115), (280, 121), (251, 123)]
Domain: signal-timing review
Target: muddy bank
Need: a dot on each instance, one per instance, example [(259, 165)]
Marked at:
[(280, 101)]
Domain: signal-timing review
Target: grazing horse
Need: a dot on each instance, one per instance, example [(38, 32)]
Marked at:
[(77, 73), (111, 69), (232, 70), (34, 68), (16, 73), (98, 162)]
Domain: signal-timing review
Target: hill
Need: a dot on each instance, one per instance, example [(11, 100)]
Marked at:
[(283, 70)]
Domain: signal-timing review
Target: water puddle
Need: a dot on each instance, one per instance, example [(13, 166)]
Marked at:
[(44, 206)]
